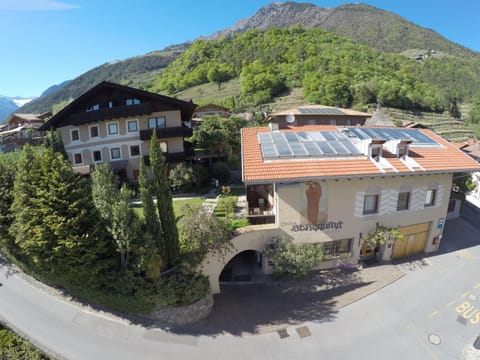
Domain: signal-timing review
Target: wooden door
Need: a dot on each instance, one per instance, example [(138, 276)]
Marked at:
[(413, 242)]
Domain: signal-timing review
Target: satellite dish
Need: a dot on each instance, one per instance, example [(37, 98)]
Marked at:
[(290, 118)]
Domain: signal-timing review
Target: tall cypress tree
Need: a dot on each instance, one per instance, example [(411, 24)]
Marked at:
[(161, 188), (153, 228)]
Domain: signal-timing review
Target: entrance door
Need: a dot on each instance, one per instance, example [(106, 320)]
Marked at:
[(413, 242)]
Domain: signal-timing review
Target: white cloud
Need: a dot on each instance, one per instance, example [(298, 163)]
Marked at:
[(35, 5)]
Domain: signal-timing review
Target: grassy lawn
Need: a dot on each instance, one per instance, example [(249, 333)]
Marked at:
[(177, 206)]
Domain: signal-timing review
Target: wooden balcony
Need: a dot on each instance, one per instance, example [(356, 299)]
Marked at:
[(110, 113), (170, 132)]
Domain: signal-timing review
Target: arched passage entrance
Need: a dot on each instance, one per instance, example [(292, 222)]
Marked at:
[(250, 242), (246, 266)]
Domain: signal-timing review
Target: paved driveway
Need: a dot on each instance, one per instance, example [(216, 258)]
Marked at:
[(423, 315)]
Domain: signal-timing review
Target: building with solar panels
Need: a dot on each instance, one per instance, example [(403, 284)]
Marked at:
[(333, 185), (318, 115)]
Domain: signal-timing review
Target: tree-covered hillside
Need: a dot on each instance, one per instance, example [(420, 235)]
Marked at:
[(332, 70)]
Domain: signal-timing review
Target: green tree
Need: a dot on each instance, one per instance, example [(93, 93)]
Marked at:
[(54, 141), (113, 206), (8, 169), (474, 113), (161, 188), (201, 232), (181, 177), (293, 259), (54, 221), (219, 73)]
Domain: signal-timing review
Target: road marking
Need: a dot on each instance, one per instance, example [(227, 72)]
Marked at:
[(451, 303), (433, 314), (411, 329), (469, 312), (477, 286)]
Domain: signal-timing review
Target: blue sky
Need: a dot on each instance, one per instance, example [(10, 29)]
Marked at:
[(45, 42)]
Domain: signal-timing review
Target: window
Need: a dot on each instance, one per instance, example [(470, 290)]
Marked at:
[(93, 107), (370, 204), (77, 158), (333, 249), (94, 131), (75, 134), (156, 122), (129, 102), (402, 151), (430, 197), (134, 150), (115, 153), (376, 152), (112, 128), (97, 155), (132, 125), (403, 201)]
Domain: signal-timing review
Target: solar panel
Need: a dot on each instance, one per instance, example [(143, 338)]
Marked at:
[(283, 149), (418, 138), (321, 111), (312, 149), (298, 149), (278, 136), (291, 136), (265, 137), (269, 150), (305, 144), (325, 147)]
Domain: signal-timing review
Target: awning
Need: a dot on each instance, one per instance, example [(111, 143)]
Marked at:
[(118, 165)]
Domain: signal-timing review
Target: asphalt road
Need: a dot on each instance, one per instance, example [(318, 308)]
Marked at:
[(431, 313)]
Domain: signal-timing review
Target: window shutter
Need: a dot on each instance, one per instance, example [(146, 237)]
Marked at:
[(388, 202), (359, 199), (418, 198)]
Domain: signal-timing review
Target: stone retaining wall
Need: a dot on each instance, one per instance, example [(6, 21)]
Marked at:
[(183, 315)]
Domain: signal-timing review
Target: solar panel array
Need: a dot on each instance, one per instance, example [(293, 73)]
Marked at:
[(321, 111), (417, 137), (304, 144)]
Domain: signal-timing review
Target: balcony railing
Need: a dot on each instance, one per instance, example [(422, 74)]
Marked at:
[(110, 113), (178, 131)]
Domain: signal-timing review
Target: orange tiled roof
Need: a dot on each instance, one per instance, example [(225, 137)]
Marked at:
[(432, 159)]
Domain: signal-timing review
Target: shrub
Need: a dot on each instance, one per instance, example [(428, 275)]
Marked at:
[(293, 259)]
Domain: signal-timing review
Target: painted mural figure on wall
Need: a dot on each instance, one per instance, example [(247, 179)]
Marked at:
[(313, 211)]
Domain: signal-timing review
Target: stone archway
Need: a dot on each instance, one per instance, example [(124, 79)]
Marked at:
[(252, 238), (246, 266)]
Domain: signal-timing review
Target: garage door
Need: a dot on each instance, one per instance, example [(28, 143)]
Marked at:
[(413, 242)]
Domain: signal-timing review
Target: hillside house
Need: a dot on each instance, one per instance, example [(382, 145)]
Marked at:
[(21, 129), (112, 123), (317, 115)]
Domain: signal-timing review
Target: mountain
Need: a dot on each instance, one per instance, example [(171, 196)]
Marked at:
[(55, 88), (136, 71), (375, 27), (7, 106), (379, 29)]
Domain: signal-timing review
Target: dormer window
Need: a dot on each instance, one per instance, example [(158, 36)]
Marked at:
[(375, 151), (93, 107), (129, 102), (402, 148)]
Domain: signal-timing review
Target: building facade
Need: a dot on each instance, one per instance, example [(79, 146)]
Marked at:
[(114, 124), (317, 115), (336, 185), (21, 129)]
